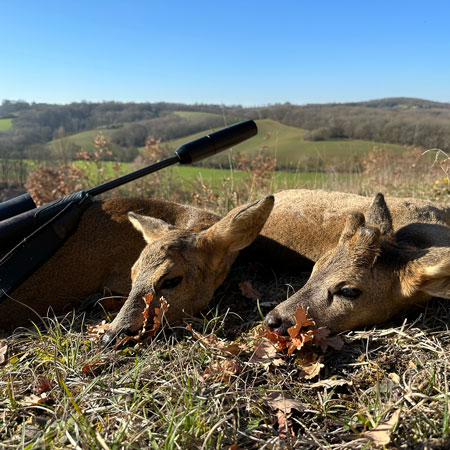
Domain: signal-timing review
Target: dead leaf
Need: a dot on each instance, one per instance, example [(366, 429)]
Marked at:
[(276, 338), (143, 333), (328, 384), (301, 321), (394, 377), (265, 353), (335, 342), (320, 337), (222, 370), (44, 384), (298, 342), (33, 399), (284, 406), (3, 349), (247, 290), (381, 434), (211, 340), (284, 426), (94, 368), (278, 400), (311, 366), (97, 331)]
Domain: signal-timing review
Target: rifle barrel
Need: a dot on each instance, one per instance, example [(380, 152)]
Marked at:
[(189, 153), (132, 176)]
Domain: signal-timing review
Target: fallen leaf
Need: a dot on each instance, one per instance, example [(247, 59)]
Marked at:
[(3, 349), (301, 321), (298, 342), (93, 368), (394, 377), (211, 340), (265, 353), (247, 290), (328, 384), (222, 370), (44, 384), (278, 400), (33, 400), (143, 333), (320, 337), (276, 338), (284, 426), (381, 434), (335, 342), (97, 331), (311, 366)]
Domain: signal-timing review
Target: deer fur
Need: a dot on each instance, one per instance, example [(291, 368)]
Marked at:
[(131, 247), (379, 268)]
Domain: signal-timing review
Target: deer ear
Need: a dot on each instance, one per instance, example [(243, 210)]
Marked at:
[(355, 221), (366, 246), (150, 227), (429, 273), (240, 226), (378, 214)]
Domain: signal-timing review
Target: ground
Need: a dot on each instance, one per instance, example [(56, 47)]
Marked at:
[(62, 389)]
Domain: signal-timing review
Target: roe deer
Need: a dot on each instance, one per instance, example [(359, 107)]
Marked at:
[(302, 226), (373, 274)]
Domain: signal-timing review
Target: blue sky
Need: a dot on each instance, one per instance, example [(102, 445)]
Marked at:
[(229, 52)]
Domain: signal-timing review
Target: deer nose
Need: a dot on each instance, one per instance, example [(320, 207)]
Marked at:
[(273, 320), (114, 338)]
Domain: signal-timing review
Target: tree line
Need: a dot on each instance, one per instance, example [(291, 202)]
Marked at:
[(414, 122)]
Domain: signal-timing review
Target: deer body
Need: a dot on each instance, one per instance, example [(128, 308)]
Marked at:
[(98, 256), (183, 253)]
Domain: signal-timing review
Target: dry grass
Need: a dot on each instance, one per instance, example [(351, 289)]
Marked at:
[(156, 395)]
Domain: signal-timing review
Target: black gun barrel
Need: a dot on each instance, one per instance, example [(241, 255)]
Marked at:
[(16, 205), (213, 143), (21, 223), (189, 153)]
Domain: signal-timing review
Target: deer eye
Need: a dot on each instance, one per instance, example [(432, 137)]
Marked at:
[(349, 293), (171, 283)]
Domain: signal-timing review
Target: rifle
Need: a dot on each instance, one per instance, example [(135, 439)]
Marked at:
[(42, 230)]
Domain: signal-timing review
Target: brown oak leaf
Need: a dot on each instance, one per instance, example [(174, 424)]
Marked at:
[(222, 370), (249, 291), (211, 340), (301, 321)]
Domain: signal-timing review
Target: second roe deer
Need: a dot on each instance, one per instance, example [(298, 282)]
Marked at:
[(374, 273)]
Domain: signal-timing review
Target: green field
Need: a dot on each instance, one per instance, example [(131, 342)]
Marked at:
[(194, 114), (287, 145), (85, 139), (5, 124), (275, 139), (188, 177)]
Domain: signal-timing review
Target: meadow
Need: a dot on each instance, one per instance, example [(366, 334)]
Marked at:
[(5, 124), (286, 144)]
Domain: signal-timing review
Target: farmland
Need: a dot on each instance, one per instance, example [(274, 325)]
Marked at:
[(5, 124)]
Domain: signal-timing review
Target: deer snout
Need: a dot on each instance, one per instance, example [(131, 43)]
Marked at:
[(111, 338), (276, 322)]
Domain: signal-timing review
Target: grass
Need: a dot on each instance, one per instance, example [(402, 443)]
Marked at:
[(287, 145), (155, 396), (5, 124), (194, 114), (187, 177), (85, 139)]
